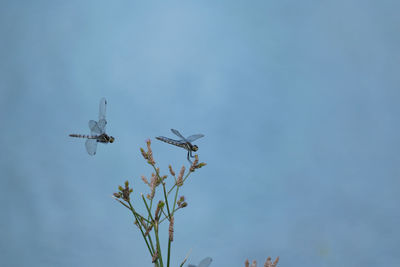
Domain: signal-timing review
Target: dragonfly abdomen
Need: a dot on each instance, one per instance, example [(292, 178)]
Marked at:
[(84, 136), (172, 141)]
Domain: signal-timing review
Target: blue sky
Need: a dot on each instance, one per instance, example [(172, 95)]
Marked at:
[(298, 101)]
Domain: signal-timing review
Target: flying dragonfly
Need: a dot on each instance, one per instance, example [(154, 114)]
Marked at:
[(97, 131), (185, 143), (204, 263)]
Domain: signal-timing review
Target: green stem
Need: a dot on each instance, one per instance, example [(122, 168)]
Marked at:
[(169, 214), (155, 232), (176, 195), (141, 217), (184, 179), (169, 250), (151, 205), (165, 192), (165, 215), (166, 200), (151, 250), (147, 207), (158, 244)]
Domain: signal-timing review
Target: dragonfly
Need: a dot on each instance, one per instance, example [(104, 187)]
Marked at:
[(185, 143), (97, 131), (204, 263)]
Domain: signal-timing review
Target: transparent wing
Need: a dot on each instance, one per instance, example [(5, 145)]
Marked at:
[(205, 262), (191, 265), (102, 109), (178, 134), (102, 125), (194, 137), (94, 128), (91, 146)]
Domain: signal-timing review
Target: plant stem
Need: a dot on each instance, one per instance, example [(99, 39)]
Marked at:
[(158, 244), (169, 250), (165, 215), (148, 209), (184, 179), (165, 192), (151, 250), (169, 214), (151, 204), (176, 195)]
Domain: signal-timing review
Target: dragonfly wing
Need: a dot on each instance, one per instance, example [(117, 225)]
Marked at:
[(94, 128), (194, 137), (102, 109), (178, 134), (102, 125), (205, 262), (91, 146), (191, 265)]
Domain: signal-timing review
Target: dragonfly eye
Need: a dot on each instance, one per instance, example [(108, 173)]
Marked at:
[(195, 148), (111, 139)]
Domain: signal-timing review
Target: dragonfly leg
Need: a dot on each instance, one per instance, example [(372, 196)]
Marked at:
[(188, 157)]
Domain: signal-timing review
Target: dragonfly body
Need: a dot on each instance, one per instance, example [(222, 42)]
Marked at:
[(185, 143), (97, 131), (103, 138)]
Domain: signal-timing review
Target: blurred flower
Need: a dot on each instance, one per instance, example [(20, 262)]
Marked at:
[(179, 181), (144, 154), (124, 192), (196, 164), (171, 170), (149, 154), (144, 179), (269, 263), (181, 202), (153, 185), (157, 214)]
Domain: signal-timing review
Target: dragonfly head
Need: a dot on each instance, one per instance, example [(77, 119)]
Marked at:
[(195, 148), (112, 139)]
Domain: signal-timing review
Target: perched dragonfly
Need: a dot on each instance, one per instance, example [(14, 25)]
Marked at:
[(204, 263), (184, 142), (97, 131)]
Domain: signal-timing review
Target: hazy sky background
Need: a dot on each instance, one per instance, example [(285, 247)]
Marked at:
[(298, 101)]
